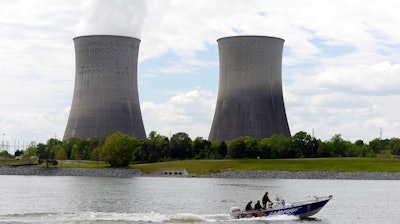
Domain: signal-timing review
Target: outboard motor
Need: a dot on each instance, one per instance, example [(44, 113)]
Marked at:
[(235, 212)]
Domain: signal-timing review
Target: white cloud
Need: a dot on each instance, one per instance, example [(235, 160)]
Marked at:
[(36, 68), (189, 112), (354, 101)]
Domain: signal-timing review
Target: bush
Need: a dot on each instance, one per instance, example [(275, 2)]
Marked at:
[(119, 149)]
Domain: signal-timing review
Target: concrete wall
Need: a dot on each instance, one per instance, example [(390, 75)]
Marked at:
[(105, 96), (250, 99)]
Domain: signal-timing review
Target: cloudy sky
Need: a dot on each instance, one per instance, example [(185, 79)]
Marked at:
[(341, 62)]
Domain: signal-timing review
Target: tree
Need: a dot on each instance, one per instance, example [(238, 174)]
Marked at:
[(119, 149), (45, 153), (395, 146), (361, 149), (86, 146), (377, 145), (265, 148), (201, 148), (155, 148), (314, 147), (152, 134), (222, 150), (181, 146), (96, 155), (243, 147), (163, 146), (70, 145), (236, 148), (159, 148), (81, 151), (301, 145), (74, 153), (278, 144), (339, 145), (198, 147), (60, 153), (213, 149), (5, 154), (29, 153), (18, 152), (325, 149)]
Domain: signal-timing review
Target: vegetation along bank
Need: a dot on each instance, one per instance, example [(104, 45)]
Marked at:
[(300, 156), (120, 150)]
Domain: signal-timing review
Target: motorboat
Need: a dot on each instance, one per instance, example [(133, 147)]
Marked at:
[(303, 209)]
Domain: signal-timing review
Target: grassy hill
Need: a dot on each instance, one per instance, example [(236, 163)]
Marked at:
[(201, 167)]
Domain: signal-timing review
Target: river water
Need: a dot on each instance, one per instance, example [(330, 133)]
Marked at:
[(38, 199)]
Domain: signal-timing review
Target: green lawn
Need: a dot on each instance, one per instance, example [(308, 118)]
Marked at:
[(86, 164), (61, 164), (200, 167)]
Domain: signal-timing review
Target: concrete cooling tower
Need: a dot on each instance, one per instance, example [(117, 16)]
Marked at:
[(250, 98), (106, 95)]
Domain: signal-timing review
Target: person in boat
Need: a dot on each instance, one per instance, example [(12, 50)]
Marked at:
[(257, 206), (265, 200), (248, 206)]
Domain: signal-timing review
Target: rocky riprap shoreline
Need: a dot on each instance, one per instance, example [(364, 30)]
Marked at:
[(101, 172), (247, 174), (272, 174)]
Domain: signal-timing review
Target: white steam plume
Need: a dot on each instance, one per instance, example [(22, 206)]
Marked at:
[(116, 17)]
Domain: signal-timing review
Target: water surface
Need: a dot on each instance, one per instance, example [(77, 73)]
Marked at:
[(34, 199)]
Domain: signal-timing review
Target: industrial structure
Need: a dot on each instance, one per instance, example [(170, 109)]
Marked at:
[(105, 98), (250, 99)]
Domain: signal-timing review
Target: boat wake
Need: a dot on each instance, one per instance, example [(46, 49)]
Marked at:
[(104, 217)]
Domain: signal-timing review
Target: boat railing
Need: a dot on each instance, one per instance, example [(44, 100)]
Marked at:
[(311, 199)]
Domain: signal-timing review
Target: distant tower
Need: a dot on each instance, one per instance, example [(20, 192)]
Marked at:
[(106, 95), (250, 98)]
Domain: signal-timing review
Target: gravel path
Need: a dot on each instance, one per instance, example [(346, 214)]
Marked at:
[(114, 172)]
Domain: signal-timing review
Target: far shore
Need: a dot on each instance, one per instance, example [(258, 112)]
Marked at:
[(244, 174)]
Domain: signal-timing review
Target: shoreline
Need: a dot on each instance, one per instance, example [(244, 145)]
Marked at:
[(318, 175), (244, 174), (58, 171)]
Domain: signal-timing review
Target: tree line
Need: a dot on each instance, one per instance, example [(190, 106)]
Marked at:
[(121, 150)]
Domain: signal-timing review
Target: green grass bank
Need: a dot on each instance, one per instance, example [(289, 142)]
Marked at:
[(201, 167)]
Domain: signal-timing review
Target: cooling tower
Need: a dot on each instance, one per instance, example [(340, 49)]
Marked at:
[(106, 95), (250, 98)]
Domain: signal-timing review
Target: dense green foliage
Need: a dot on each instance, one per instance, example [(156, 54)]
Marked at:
[(5, 154), (121, 150)]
